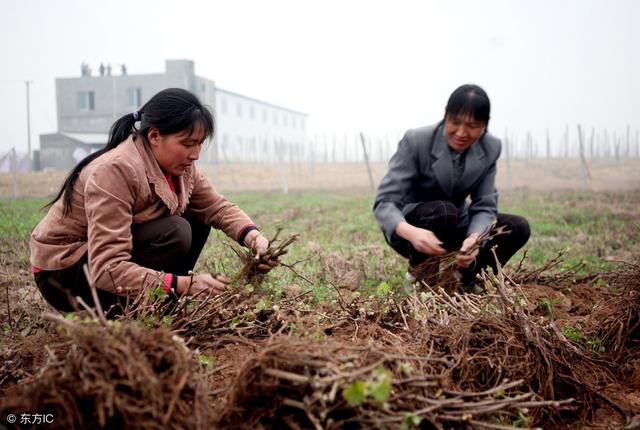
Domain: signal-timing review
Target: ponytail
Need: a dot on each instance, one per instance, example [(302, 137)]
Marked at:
[(119, 132), (170, 111)]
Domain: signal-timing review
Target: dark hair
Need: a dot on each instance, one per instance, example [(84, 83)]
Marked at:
[(469, 100), (170, 111)]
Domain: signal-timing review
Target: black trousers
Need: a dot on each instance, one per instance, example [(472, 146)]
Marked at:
[(170, 244), (441, 217)]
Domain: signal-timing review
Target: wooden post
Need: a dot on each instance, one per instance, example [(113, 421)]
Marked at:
[(366, 161), (507, 158), (386, 147), (532, 145), (312, 158), (548, 145), (586, 174), (325, 147), (13, 165), (627, 151), (345, 146), (333, 149)]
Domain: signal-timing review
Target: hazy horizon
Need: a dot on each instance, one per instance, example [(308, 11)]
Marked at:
[(379, 67)]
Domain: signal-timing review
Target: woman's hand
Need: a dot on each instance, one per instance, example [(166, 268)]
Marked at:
[(259, 244), (422, 240), (203, 285), (465, 256)]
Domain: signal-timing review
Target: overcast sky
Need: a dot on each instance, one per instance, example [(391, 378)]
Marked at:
[(351, 65)]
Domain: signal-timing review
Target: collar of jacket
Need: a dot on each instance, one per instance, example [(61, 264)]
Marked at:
[(443, 166), (175, 202)]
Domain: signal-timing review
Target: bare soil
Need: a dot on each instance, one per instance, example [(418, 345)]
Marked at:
[(261, 373)]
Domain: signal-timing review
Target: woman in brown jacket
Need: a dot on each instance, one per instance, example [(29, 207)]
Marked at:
[(138, 212)]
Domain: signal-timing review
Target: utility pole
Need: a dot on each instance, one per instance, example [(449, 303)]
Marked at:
[(27, 83)]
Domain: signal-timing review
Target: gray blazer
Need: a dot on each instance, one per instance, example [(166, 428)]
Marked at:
[(421, 170)]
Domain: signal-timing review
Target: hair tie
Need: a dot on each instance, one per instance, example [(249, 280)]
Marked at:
[(136, 115)]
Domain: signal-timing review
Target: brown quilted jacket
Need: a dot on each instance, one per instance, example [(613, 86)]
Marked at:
[(122, 187)]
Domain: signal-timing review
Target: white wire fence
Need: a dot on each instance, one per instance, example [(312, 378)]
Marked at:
[(580, 159)]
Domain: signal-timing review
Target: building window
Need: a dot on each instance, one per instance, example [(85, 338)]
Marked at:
[(134, 95), (293, 122), (239, 109), (223, 104), (284, 119), (275, 118), (252, 112), (264, 115), (86, 100)]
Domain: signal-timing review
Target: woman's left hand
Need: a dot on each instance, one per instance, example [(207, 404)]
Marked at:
[(465, 257), (259, 245)]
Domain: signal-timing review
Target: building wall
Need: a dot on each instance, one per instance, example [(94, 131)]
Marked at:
[(60, 152), (246, 129), (205, 90), (107, 107), (252, 130)]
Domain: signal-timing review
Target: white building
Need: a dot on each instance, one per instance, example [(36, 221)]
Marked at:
[(247, 129), (252, 130)]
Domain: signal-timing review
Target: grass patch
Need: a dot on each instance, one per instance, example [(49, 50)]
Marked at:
[(19, 217), (341, 244)]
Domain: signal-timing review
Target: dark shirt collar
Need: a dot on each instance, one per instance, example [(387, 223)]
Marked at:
[(454, 153)]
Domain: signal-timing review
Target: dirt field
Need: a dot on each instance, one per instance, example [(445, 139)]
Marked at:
[(554, 174), (334, 341), (560, 354)]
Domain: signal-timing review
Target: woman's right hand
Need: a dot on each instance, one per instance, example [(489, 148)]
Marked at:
[(422, 240), (202, 285)]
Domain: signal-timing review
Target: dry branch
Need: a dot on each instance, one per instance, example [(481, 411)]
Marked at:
[(251, 273)]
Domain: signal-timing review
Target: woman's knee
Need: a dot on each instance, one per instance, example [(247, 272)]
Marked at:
[(178, 235), (520, 229), (170, 236), (438, 214)]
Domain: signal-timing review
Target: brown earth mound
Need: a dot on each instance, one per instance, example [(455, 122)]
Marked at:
[(430, 360), (118, 376)]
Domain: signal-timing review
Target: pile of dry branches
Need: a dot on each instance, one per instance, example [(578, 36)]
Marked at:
[(482, 354), (434, 359), (616, 323), (297, 384), (492, 338), (118, 375)]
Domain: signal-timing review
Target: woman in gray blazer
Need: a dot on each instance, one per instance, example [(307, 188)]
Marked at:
[(439, 194)]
